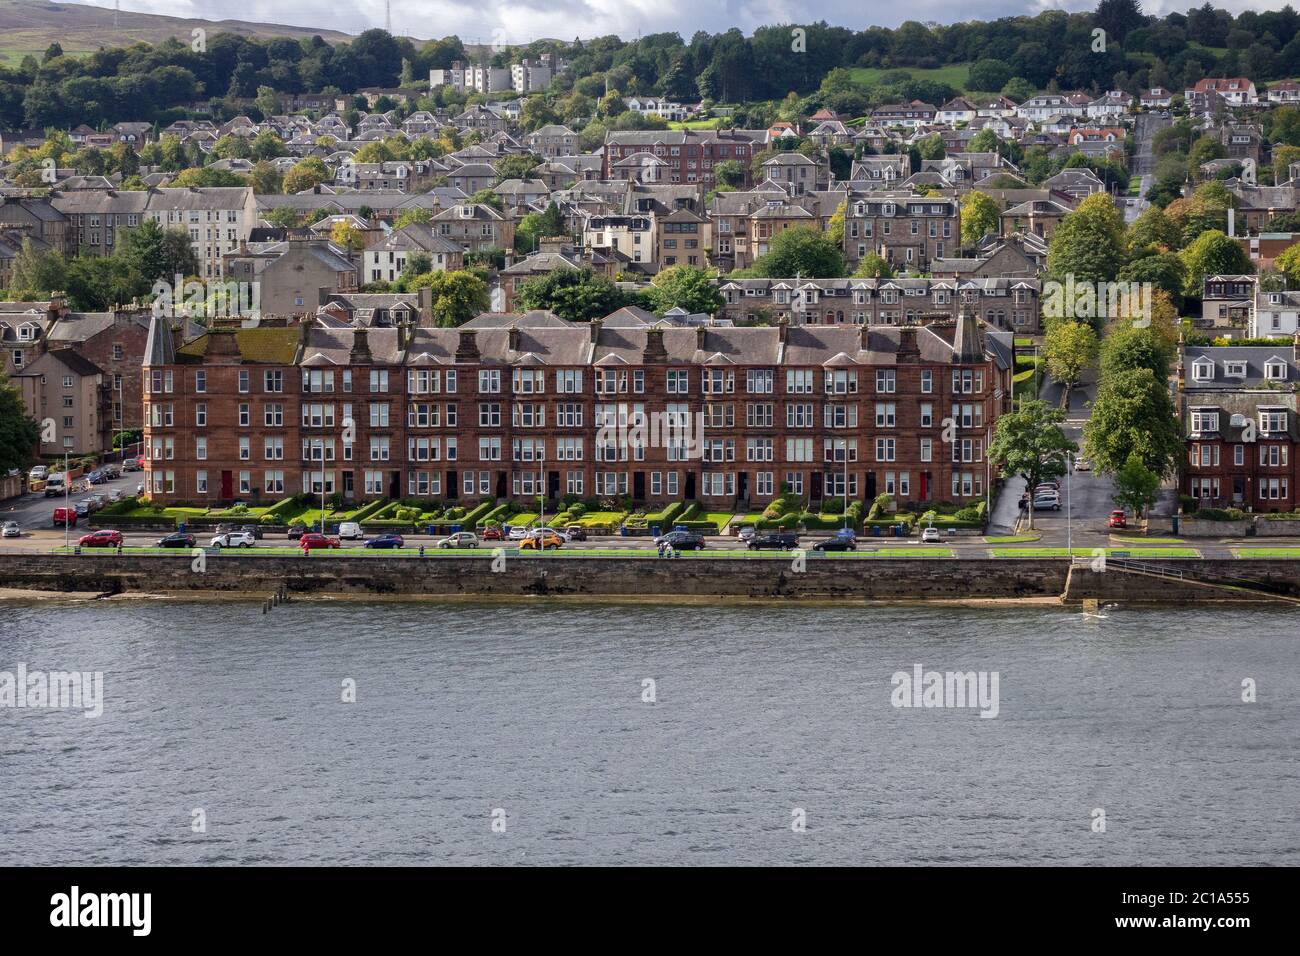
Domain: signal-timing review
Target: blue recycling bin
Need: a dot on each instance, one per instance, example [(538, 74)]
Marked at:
[(428, 529), (456, 527), (654, 530), (181, 526), (875, 531), (679, 527)]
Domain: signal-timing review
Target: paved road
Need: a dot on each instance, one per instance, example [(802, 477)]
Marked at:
[(1144, 161)]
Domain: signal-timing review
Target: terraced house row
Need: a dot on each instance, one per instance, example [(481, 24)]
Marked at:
[(531, 406)]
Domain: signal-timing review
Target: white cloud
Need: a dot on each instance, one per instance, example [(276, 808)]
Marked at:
[(516, 21)]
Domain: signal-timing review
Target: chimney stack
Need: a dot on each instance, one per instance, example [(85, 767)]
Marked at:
[(360, 347), (467, 347), (654, 345), (594, 327)]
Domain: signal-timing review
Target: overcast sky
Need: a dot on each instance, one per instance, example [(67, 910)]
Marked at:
[(518, 21)]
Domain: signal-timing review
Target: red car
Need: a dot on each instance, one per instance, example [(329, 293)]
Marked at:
[(1118, 519), (101, 539), (493, 534), (313, 540)]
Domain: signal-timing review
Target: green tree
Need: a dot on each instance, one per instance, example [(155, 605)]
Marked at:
[(980, 216), (801, 251), (1030, 442), (1128, 347), (281, 217), (308, 174), (1135, 486), (1288, 263), (1151, 228), (578, 295), (515, 166), (1214, 254), (458, 296), (1133, 414), (1070, 349), (873, 266), (1088, 243), (18, 430), (835, 226), (685, 287), (151, 252)]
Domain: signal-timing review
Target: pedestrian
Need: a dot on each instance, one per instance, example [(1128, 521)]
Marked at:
[(421, 550)]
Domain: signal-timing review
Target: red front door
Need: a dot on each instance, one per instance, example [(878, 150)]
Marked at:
[(227, 485)]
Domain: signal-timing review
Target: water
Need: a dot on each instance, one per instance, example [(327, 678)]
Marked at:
[(537, 710)]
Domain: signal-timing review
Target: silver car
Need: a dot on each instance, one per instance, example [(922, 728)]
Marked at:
[(11, 530)]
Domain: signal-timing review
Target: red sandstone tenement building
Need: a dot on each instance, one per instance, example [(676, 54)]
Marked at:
[(1237, 405), (514, 411)]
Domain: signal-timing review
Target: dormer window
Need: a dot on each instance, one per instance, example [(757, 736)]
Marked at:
[(1205, 421), (1203, 371), (1275, 370), (887, 209), (1234, 369), (1272, 421)]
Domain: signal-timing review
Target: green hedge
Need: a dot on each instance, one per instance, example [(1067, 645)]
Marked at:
[(1220, 514)]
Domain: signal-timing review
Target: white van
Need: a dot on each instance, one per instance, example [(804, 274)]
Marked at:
[(54, 485), (350, 531)]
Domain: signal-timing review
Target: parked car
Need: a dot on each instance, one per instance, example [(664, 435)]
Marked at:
[(838, 543), (493, 534), (233, 539), (38, 473), (1051, 484), (83, 509), (54, 485), (350, 531), (1047, 504), (386, 541), (461, 539), (1118, 519), (746, 533), (518, 533), (575, 532), (776, 540), (177, 539), (116, 495), (682, 541), (97, 501), (104, 538), (132, 464), (65, 516), (1082, 464), (226, 527), (545, 540), (11, 530), (97, 477), (313, 540), (254, 529), (111, 471), (296, 531), (930, 536)]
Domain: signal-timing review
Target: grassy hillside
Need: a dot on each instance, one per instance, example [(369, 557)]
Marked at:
[(30, 26), (954, 74)]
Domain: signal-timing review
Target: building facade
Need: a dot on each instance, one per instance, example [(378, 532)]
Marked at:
[(654, 414)]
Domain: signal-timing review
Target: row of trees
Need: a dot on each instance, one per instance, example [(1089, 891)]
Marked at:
[(1019, 54)]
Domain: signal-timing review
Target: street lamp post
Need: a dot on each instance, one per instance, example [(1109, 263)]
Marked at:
[(66, 496), (1069, 527), (846, 484)]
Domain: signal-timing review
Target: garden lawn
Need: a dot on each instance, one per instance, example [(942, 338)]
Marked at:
[(1088, 552), (1288, 553)]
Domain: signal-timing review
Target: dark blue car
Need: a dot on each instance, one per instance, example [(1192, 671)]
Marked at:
[(386, 541), (97, 477)]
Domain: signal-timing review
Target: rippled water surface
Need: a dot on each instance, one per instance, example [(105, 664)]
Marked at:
[(759, 712)]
